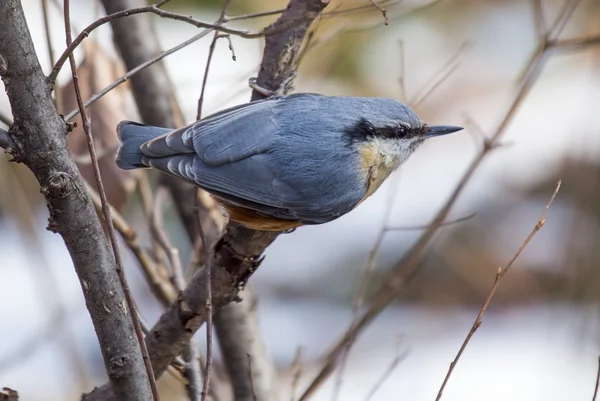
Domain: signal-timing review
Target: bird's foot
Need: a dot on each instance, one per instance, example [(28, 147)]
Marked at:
[(286, 86)]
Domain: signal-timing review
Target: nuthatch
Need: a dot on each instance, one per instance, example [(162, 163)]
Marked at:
[(286, 161)]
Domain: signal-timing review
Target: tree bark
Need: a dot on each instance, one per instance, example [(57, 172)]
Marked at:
[(38, 139), (251, 371)]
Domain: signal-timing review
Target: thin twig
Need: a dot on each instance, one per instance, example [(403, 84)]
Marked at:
[(47, 32), (383, 11), (162, 289), (191, 367), (409, 265), (402, 73), (359, 9), (57, 94), (106, 209), (88, 30), (363, 283), (540, 20), (228, 18), (174, 369), (137, 69), (154, 9), (597, 382), (561, 20), (208, 256), (499, 276), (439, 77), (423, 226), (211, 51), (400, 356), (250, 377)]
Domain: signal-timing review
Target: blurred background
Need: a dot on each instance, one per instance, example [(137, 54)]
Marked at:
[(458, 62)]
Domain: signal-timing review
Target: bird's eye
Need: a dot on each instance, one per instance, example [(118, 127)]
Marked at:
[(401, 131)]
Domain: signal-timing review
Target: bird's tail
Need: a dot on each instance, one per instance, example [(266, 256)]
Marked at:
[(133, 136)]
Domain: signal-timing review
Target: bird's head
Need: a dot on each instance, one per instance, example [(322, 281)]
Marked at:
[(394, 129)]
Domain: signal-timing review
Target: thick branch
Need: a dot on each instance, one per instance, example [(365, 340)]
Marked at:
[(239, 339), (281, 50), (39, 137)]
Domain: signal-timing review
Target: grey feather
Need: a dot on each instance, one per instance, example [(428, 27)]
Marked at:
[(133, 136)]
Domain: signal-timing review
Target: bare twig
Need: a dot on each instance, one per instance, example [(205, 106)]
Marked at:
[(253, 15), (400, 356), (149, 379), (47, 32), (250, 378), (363, 283), (211, 51), (238, 332), (154, 9), (208, 256), (191, 353), (135, 70), (402, 72), (561, 20), (409, 265), (597, 382), (424, 226), (439, 77), (162, 239), (162, 289), (191, 370), (383, 11), (360, 9), (540, 20), (88, 30), (499, 276), (45, 11)]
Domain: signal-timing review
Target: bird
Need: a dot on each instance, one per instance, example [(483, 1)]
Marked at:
[(286, 161)]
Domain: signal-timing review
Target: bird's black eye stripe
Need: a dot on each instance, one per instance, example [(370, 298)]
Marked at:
[(364, 129)]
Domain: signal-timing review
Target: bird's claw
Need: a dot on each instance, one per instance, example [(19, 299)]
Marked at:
[(286, 86)]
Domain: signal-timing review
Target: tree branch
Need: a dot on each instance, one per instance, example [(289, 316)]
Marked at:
[(7, 394), (39, 136), (499, 276), (238, 253), (6, 142), (239, 339), (147, 380), (154, 9)]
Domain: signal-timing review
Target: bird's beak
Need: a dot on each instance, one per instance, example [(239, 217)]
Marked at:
[(437, 130)]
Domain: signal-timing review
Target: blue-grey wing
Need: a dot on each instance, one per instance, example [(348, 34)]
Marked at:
[(272, 156)]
